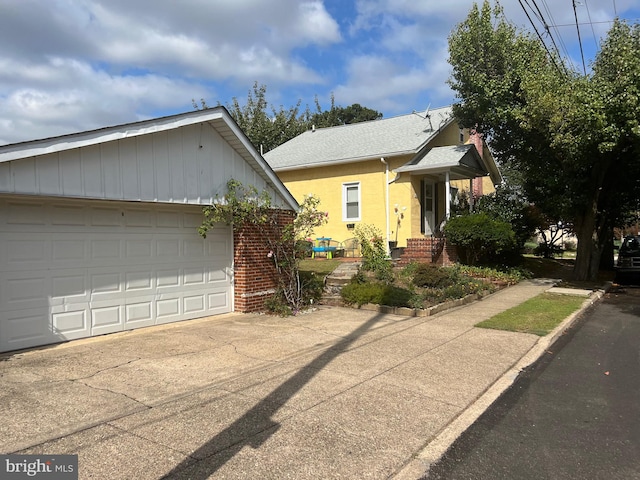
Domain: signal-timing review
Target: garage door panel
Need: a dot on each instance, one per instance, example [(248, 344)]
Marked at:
[(71, 321), (194, 304), (73, 268), (23, 251), (26, 328), (67, 215), (166, 279), (139, 249), (193, 249), (139, 314), (106, 318), (168, 247), (194, 275), (24, 290), (25, 213), (140, 280), (217, 276), (168, 309), (105, 217), (218, 302), (106, 284), (68, 250), (70, 284), (105, 250)]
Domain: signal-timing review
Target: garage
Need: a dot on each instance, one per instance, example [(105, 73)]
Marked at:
[(98, 230)]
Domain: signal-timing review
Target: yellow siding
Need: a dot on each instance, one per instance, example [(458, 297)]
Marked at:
[(326, 183)]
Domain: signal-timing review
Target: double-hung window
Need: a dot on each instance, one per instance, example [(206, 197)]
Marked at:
[(351, 201)]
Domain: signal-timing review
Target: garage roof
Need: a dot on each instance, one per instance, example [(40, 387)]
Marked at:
[(218, 118)]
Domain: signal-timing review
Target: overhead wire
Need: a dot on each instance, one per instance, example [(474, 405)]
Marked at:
[(540, 36), (575, 13), (586, 4)]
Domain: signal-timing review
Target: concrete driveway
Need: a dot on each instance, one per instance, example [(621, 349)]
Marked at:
[(336, 393)]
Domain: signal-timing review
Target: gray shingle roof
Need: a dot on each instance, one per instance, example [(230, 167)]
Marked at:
[(449, 156), (377, 138)]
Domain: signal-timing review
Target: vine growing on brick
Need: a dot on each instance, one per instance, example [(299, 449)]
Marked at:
[(247, 209)]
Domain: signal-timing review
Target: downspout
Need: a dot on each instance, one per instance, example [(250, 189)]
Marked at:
[(386, 202), (447, 196)]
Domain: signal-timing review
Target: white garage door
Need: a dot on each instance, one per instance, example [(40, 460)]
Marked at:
[(75, 268)]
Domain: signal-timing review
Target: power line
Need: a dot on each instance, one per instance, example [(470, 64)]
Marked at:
[(586, 4), (539, 36), (575, 13), (560, 40)]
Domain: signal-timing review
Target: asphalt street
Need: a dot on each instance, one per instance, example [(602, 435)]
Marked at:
[(575, 414)]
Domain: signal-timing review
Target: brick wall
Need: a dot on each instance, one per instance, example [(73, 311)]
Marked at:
[(422, 250), (255, 276)]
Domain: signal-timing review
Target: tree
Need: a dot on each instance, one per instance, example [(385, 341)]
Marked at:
[(337, 115), (573, 138), (268, 127), (244, 206)]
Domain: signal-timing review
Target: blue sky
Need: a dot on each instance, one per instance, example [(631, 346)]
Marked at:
[(74, 65)]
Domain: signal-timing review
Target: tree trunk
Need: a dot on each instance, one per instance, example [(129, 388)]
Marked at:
[(587, 243)]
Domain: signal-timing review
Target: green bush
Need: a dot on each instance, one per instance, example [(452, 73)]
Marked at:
[(373, 250), (547, 250), (479, 238), (431, 276), (312, 287), (377, 293), (510, 276)]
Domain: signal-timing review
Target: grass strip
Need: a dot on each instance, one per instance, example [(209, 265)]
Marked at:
[(319, 267), (538, 315)]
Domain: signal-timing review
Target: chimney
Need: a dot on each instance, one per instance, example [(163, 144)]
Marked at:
[(476, 138)]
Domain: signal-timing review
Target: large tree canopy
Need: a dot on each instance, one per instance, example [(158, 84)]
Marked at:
[(574, 139)]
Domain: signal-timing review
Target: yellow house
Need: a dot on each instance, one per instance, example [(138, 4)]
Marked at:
[(401, 174)]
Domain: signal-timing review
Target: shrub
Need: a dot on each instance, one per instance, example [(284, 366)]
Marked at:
[(480, 239), (431, 276), (378, 293), (547, 250), (510, 276), (373, 250)]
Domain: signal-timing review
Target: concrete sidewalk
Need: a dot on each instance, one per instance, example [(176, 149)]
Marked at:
[(336, 393)]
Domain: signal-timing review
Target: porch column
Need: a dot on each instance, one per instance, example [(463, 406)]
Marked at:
[(447, 195)]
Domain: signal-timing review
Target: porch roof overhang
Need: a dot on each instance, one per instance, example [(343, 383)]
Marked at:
[(461, 161)]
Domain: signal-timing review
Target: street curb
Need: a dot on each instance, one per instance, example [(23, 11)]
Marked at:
[(418, 467)]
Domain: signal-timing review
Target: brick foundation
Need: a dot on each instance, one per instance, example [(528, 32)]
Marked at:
[(255, 276)]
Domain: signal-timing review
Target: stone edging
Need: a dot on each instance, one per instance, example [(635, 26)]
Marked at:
[(421, 312)]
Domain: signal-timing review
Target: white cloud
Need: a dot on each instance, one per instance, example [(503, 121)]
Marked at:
[(74, 65), (79, 97), (70, 65), (383, 84)]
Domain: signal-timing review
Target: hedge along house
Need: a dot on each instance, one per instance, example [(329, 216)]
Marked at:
[(98, 229), (401, 174)]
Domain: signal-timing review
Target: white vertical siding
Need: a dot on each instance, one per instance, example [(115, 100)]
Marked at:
[(190, 164)]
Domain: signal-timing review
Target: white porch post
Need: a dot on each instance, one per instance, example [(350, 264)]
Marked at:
[(447, 195)]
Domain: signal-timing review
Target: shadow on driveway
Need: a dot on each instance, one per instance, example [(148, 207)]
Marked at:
[(261, 415)]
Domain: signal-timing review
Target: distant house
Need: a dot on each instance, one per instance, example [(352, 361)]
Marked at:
[(98, 229), (401, 174)]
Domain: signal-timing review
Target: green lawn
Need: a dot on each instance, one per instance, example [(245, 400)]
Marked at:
[(319, 266), (539, 315)]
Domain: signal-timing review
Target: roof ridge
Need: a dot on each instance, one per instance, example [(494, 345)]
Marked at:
[(414, 112)]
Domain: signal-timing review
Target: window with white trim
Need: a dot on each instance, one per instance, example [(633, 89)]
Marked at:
[(351, 201)]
